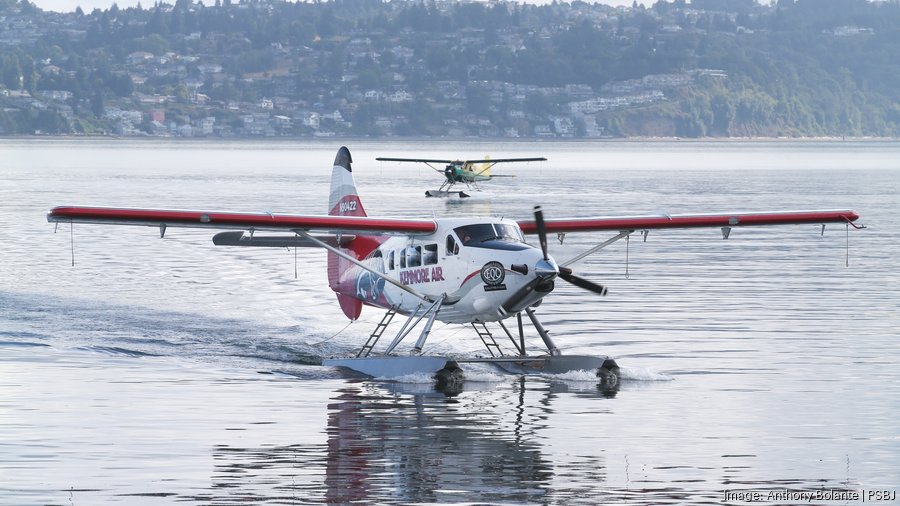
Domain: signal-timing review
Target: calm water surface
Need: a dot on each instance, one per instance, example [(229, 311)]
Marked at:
[(160, 371)]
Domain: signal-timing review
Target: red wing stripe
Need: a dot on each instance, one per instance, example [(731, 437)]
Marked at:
[(690, 221), (237, 220)]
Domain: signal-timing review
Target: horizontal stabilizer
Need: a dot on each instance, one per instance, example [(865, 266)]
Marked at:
[(277, 241)]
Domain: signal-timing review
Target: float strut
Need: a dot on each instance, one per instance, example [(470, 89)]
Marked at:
[(521, 350), (521, 333), (404, 330), (427, 329), (554, 351)]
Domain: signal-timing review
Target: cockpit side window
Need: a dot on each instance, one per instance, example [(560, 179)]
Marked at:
[(452, 245)]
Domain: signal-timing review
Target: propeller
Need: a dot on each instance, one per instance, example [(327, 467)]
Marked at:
[(520, 295), (541, 230), (566, 274), (545, 270)]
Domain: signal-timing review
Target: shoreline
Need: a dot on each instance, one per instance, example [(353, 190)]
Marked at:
[(510, 140)]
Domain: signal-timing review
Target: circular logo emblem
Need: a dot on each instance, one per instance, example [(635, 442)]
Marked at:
[(493, 273)]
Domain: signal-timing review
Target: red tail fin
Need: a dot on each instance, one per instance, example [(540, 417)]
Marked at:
[(344, 201)]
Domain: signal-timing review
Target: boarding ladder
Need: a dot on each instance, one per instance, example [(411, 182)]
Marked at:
[(487, 338), (376, 334)]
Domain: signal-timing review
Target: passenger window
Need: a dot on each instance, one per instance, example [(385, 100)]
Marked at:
[(391, 260), (378, 256), (403, 258), (429, 254), (451, 245), (414, 257)]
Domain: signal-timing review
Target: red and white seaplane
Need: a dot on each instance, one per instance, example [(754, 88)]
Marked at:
[(471, 271)]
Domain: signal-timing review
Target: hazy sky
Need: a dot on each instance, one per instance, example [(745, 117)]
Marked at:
[(89, 5)]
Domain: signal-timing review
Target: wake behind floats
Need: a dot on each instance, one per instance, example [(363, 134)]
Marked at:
[(474, 271)]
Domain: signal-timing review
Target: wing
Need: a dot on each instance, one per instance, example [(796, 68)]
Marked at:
[(418, 160), (691, 221), (508, 160), (164, 218), (490, 160)]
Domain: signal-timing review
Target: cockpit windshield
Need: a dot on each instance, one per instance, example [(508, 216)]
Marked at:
[(485, 235)]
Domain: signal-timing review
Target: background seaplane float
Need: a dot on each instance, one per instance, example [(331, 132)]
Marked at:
[(464, 172), (473, 271)]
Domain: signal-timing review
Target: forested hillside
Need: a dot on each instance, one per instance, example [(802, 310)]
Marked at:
[(434, 68)]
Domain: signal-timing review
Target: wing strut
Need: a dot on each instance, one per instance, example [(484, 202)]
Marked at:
[(361, 265), (624, 233)]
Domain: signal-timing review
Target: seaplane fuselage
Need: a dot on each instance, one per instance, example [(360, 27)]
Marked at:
[(477, 262)]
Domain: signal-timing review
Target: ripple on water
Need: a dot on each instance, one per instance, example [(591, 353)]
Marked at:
[(171, 370)]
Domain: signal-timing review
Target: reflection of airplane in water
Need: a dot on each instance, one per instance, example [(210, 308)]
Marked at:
[(426, 448), (396, 442)]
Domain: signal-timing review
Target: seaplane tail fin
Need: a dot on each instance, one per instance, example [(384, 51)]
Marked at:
[(343, 200), (484, 169)]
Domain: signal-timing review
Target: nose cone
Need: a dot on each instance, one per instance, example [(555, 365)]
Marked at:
[(546, 269)]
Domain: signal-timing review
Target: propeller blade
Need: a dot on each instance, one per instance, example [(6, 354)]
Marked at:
[(541, 229), (516, 298), (566, 274)]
